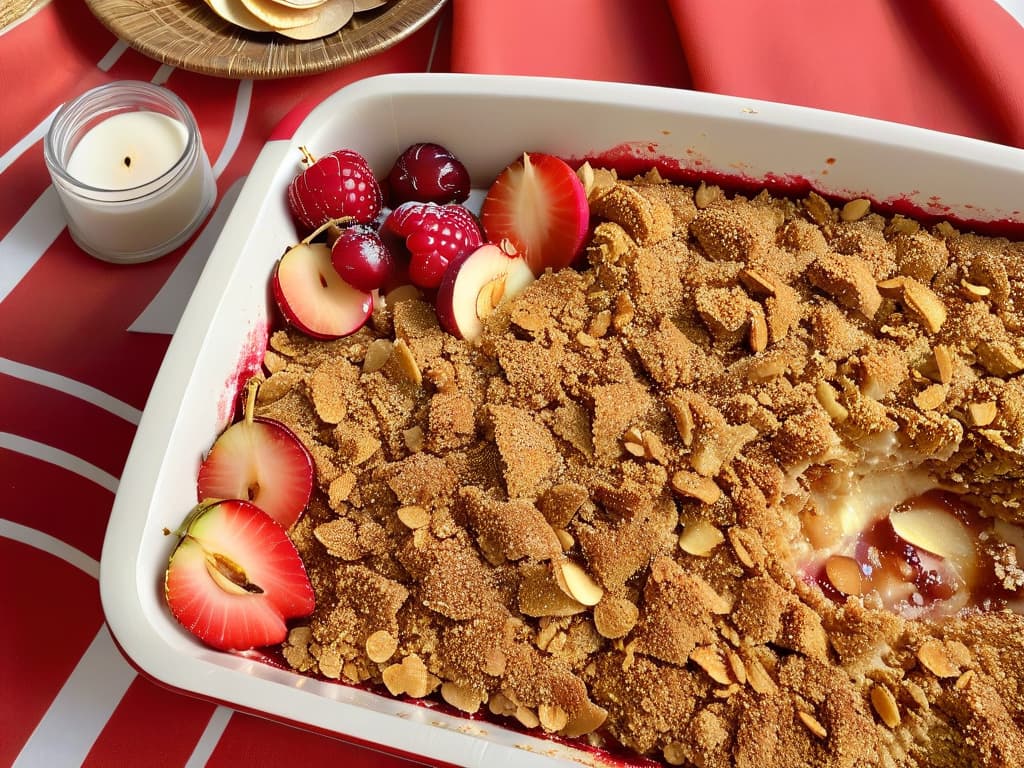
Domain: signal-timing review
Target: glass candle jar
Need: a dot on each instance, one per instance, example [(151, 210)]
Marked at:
[(129, 167)]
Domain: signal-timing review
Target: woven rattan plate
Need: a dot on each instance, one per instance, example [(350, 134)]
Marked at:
[(188, 35)]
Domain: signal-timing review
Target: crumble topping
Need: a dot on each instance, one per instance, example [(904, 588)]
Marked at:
[(602, 519)]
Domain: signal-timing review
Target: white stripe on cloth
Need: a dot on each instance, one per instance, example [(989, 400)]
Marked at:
[(58, 458), (78, 714), (71, 387)]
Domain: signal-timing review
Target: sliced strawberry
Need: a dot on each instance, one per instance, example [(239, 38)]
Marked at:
[(539, 205), (235, 578), (261, 461)]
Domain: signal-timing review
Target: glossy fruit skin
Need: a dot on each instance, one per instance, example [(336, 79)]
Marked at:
[(362, 258), (428, 173), (344, 311), (434, 236), (539, 205), (237, 532), (261, 461), (337, 185)]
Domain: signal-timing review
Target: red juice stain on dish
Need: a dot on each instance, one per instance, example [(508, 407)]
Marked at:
[(636, 158), (249, 364)]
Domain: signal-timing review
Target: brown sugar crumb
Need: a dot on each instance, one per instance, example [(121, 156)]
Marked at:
[(597, 521)]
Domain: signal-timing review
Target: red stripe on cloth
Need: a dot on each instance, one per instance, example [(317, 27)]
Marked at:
[(63, 421), (70, 315), (53, 614), (56, 502), (935, 63), (151, 726), (254, 742), (633, 42)]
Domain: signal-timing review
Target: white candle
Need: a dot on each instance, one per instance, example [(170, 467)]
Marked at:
[(130, 170), (128, 150)]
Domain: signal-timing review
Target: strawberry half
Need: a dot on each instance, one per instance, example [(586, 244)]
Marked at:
[(539, 205), (235, 578), (261, 461)]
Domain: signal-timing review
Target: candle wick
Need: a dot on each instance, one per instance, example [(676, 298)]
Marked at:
[(127, 162)]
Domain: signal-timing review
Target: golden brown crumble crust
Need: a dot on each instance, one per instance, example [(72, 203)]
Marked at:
[(583, 521)]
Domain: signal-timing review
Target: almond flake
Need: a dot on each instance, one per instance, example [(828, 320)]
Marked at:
[(407, 363), (461, 697), (414, 516), (759, 678), (855, 209), (933, 657), (982, 414), (845, 574), (693, 486), (381, 646), (552, 717), (378, 352), (930, 398), (577, 583), (812, 725), (739, 671), (974, 292), (964, 680), (944, 363), (699, 538), (829, 400), (710, 660), (758, 336), (757, 283), (654, 449), (526, 716), (925, 305), (999, 358), (885, 705)]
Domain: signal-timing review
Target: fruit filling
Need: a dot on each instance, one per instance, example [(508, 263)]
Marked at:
[(916, 552)]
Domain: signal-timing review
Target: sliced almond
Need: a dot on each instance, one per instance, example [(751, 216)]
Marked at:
[(885, 705), (811, 723), (407, 363), (973, 292), (413, 438), (935, 530), (759, 678), (931, 397), (845, 574), (736, 667), (577, 583), (933, 657), (982, 414), (964, 680), (700, 538), (694, 486), (414, 516), (381, 646), (925, 305), (944, 363), (757, 283), (378, 352), (758, 335), (461, 697), (710, 660), (526, 716), (829, 400), (855, 209), (552, 717), (585, 173)]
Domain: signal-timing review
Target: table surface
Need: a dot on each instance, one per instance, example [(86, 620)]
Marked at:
[(81, 340)]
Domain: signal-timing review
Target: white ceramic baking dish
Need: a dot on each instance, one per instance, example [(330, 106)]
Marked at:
[(488, 121)]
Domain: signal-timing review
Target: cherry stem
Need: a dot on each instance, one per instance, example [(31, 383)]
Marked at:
[(340, 222), (252, 386), (307, 156)]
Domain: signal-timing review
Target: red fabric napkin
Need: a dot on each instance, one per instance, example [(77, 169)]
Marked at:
[(941, 64)]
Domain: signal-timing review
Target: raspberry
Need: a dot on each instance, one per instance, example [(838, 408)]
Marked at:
[(434, 235), (338, 184)]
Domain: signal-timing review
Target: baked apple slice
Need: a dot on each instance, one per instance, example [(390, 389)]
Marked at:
[(260, 461)]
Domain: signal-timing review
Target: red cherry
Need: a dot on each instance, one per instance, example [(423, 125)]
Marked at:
[(427, 172), (338, 184), (362, 259)]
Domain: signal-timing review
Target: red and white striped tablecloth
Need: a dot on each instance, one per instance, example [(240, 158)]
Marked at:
[(81, 340)]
